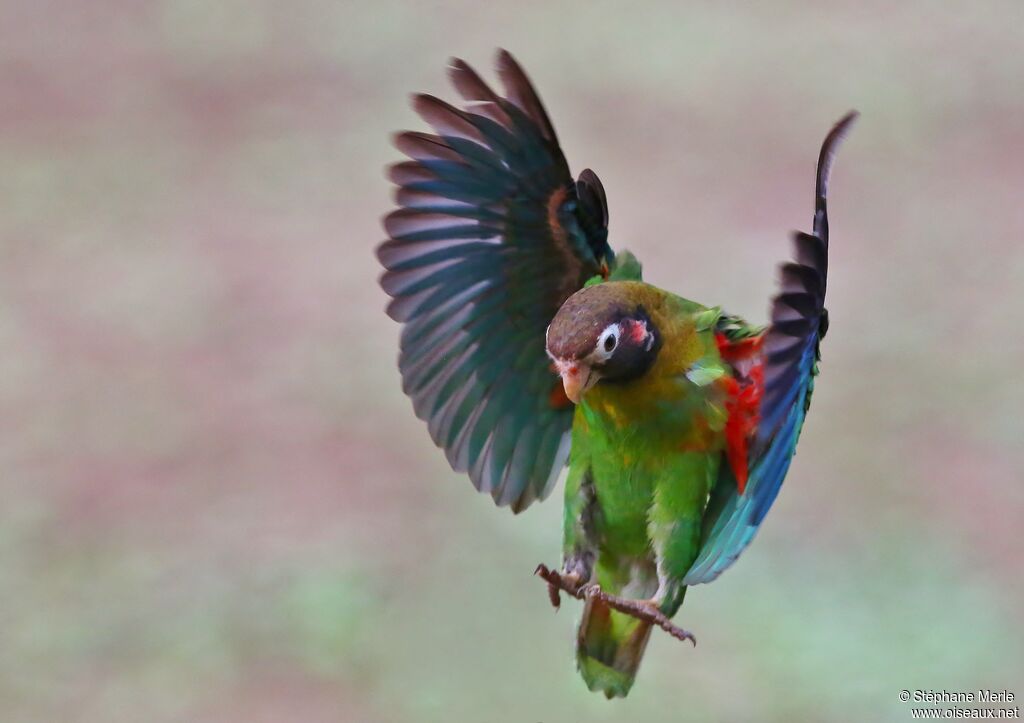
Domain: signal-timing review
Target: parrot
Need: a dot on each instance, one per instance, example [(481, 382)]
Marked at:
[(528, 345)]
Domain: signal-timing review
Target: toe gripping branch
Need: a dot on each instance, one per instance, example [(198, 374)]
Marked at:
[(639, 609)]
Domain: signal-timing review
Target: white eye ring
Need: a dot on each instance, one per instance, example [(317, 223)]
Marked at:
[(608, 342)]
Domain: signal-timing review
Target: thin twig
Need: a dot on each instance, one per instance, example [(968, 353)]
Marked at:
[(639, 609)]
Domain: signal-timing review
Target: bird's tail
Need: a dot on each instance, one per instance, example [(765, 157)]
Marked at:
[(609, 647)]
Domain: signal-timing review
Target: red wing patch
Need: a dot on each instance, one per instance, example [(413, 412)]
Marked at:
[(743, 404)]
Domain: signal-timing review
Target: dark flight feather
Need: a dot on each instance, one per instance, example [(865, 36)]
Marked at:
[(491, 236), (791, 352)]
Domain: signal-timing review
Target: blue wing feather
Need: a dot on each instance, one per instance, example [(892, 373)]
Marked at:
[(791, 352)]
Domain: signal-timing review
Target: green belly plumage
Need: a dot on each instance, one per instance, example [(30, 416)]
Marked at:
[(644, 458)]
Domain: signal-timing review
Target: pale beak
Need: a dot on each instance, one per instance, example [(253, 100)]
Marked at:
[(577, 378)]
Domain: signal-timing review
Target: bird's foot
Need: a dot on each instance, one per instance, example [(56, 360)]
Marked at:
[(646, 610), (558, 582)]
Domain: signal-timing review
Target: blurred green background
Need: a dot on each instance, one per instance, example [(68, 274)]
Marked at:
[(217, 504)]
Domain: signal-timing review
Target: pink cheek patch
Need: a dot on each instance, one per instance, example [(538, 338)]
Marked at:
[(635, 331)]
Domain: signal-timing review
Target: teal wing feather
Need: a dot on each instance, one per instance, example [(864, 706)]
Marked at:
[(791, 352), (490, 237)]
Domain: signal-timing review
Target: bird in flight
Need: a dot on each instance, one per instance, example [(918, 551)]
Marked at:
[(528, 344)]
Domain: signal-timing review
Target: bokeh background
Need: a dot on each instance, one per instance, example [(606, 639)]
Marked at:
[(217, 504)]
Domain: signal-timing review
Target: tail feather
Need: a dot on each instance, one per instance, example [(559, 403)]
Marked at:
[(609, 648)]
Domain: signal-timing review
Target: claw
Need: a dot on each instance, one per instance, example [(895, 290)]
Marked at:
[(555, 583), (554, 597)]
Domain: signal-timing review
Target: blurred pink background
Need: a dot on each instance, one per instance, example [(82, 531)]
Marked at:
[(218, 505)]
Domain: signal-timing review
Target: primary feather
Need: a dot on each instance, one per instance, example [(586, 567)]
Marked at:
[(489, 239)]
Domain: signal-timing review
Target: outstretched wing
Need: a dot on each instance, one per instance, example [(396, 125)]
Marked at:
[(490, 237), (789, 362)]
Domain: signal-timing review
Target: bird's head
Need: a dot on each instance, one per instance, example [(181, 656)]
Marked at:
[(601, 334)]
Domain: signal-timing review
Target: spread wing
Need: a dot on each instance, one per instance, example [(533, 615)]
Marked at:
[(788, 363), (490, 237)]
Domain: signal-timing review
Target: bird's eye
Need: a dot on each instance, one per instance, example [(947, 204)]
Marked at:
[(609, 342)]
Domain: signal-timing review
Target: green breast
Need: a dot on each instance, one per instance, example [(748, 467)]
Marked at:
[(656, 436)]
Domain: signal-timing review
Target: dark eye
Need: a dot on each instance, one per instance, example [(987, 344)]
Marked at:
[(609, 342)]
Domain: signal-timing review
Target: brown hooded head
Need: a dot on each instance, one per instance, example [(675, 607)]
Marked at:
[(601, 335)]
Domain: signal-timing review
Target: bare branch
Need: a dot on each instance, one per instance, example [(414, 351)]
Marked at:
[(639, 609)]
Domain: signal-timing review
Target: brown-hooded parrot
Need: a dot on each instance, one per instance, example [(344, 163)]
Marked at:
[(527, 344)]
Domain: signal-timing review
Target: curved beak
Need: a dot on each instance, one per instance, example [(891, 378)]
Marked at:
[(577, 378)]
